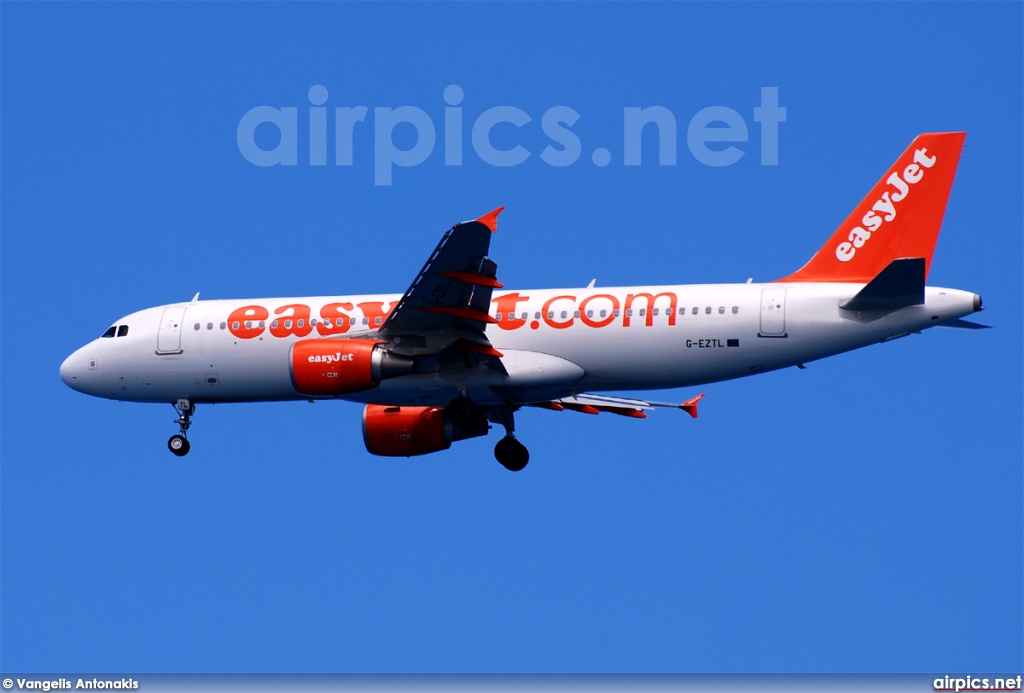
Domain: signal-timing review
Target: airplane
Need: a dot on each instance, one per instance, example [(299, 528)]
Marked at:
[(458, 352)]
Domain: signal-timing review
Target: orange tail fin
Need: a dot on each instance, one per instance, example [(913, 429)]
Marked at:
[(899, 218)]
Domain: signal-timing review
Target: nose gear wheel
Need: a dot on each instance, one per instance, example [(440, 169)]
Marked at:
[(178, 443)]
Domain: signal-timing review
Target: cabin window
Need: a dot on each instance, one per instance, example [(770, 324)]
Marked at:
[(209, 326), (197, 327), (366, 321), (302, 322), (312, 322), (262, 324), (695, 310), (339, 322), (576, 314), (122, 331), (351, 321), (377, 320), (682, 311), (273, 325), (721, 310), (497, 316), (536, 316), (248, 324), (629, 312), (523, 316), (643, 312), (735, 309), (223, 326), (707, 311), (603, 313), (287, 324), (590, 313), (615, 313), (564, 314), (653, 312), (234, 325)]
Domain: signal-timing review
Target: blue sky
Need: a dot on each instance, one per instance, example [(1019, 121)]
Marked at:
[(862, 515)]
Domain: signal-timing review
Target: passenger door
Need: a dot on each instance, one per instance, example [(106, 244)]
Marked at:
[(168, 340), (773, 312)]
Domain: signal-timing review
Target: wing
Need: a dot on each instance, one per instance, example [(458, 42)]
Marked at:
[(448, 304), (595, 404)]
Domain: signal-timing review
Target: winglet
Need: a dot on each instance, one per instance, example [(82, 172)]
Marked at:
[(690, 405), (490, 220)]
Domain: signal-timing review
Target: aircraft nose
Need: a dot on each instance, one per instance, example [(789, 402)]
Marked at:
[(69, 371)]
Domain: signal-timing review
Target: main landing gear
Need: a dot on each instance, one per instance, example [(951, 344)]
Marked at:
[(178, 444), (467, 415), (510, 453)]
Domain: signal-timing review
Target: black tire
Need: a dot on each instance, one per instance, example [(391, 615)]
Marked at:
[(511, 454), (465, 414), (179, 445)]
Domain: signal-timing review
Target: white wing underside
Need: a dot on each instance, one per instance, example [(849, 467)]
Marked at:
[(624, 406)]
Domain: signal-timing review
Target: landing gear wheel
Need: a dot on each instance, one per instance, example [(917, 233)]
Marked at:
[(511, 454), (465, 413), (178, 444)]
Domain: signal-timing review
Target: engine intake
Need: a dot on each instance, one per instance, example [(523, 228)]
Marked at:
[(333, 367), (408, 431)]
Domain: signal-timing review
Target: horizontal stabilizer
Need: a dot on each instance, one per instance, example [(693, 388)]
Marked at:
[(962, 324), (899, 285)]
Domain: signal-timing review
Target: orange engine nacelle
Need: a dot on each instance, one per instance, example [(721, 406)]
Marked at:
[(329, 367), (407, 431)]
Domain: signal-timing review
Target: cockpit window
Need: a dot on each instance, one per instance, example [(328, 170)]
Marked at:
[(109, 333), (122, 330)]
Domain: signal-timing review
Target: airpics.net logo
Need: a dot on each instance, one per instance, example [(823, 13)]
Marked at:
[(714, 135)]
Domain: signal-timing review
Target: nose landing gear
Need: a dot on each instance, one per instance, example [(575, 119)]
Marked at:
[(178, 444)]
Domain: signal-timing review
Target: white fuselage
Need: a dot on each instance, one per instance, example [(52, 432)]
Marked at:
[(555, 342)]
